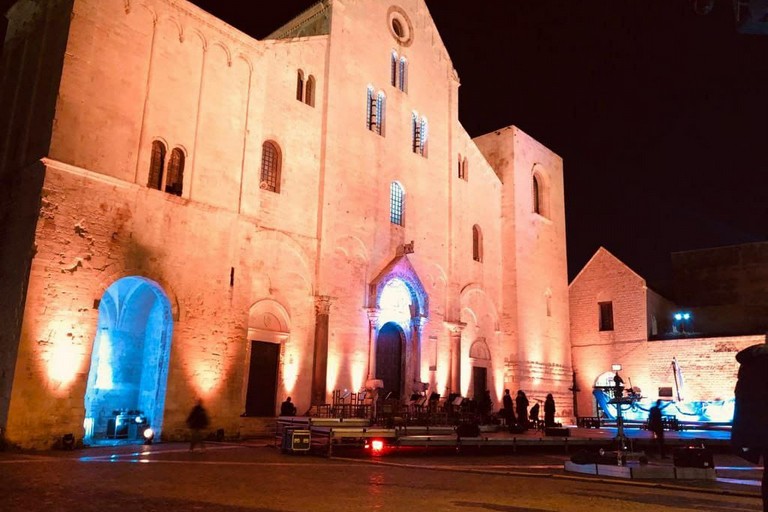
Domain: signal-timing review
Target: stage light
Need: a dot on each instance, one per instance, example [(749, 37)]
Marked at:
[(139, 419), (686, 316), (377, 446), (616, 367), (678, 316), (149, 435)]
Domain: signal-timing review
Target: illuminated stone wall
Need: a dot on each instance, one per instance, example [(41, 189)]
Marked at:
[(240, 263), (708, 365), (534, 319)]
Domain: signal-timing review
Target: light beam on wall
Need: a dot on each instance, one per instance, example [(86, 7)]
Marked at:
[(290, 373), (60, 356), (104, 377)]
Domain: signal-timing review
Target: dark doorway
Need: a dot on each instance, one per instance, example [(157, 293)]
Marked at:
[(262, 379), (479, 381), (389, 359)]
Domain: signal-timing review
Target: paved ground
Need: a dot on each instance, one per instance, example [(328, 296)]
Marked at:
[(257, 478)]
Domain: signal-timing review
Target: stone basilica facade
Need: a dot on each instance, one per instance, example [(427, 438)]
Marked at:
[(189, 212)]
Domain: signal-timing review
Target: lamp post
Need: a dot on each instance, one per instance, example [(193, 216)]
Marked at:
[(618, 392)]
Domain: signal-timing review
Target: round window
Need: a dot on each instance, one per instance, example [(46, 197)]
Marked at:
[(400, 26), (397, 27)]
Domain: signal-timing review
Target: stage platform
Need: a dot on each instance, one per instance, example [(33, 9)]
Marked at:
[(329, 433)]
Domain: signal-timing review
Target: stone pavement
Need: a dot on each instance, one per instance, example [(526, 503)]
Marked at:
[(256, 477)]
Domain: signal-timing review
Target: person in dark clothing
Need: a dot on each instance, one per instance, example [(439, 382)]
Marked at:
[(197, 421), (287, 408), (618, 386), (484, 406), (521, 403), (549, 411), (535, 416), (509, 409), (749, 433), (656, 426)]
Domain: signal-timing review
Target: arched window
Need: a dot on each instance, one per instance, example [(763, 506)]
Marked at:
[(424, 136), (393, 69), (477, 243), (403, 78), (464, 169), (300, 85), (460, 168), (381, 104), (370, 106), (270, 167), (420, 129), (309, 93), (175, 182), (537, 202), (156, 166), (396, 203)]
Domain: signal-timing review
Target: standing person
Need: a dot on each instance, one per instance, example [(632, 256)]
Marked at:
[(549, 411), (287, 408), (521, 402), (750, 416), (656, 426), (509, 409), (484, 406), (197, 421)]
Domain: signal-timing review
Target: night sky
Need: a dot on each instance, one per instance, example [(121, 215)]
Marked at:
[(659, 113)]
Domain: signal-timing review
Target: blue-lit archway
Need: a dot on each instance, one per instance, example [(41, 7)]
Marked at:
[(399, 305), (129, 364)]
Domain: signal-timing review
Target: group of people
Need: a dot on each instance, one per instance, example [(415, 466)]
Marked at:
[(516, 413)]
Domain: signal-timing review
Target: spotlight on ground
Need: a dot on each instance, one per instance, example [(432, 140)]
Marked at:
[(376, 446), (149, 435)]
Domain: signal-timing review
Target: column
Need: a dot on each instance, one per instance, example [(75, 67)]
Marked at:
[(417, 328), (320, 356), (454, 331), (373, 320)]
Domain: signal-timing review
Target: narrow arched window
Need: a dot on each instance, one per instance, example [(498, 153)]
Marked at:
[(415, 132), (460, 168), (270, 167), (370, 106), (175, 182), (396, 203), (424, 136), (465, 169), (393, 69), (536, 195), (156, 166), (309, 92), (300, 85), (477, 243), (403, 78), (381, 104)]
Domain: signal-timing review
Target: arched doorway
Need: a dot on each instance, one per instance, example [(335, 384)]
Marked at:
[(389, 359), (480, 359), (129, 363)]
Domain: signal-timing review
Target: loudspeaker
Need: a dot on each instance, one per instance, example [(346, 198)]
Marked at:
[(693, 458), (557, 431), (468, 430)]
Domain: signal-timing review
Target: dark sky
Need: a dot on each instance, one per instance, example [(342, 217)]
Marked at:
[(659, 113)]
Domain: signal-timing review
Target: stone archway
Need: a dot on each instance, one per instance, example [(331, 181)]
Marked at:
[(129, 363), (397, 296), (480, 361), (268, 329)]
